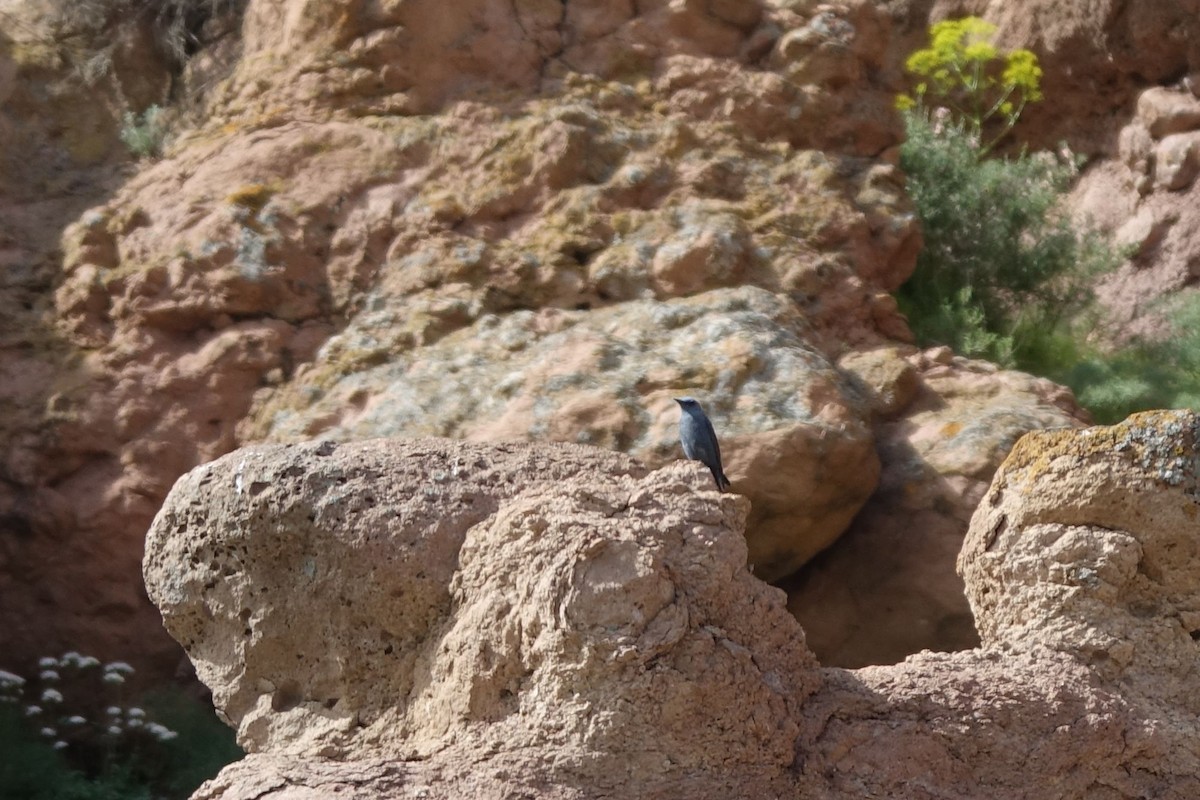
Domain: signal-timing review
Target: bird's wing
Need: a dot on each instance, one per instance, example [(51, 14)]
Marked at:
[(707, 450), (712, 437)]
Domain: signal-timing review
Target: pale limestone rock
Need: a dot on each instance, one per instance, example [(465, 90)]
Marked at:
[(402, 597), (1143, 232), (1163, 111), (1098, 528), (585, 629), (1176, 161)]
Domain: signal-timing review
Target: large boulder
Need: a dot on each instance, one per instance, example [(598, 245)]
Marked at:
[(1099, 530), (553, 603), (794, 437), (396, 617)]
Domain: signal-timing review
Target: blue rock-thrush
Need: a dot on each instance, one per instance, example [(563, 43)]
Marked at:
[(699, 440)]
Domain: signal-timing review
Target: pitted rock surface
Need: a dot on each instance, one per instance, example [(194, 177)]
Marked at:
[(403, 596), (577, 626)]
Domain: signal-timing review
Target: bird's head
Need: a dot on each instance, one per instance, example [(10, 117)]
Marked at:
[(687, 403)]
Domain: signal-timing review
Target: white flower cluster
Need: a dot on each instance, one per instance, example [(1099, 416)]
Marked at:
[(10, 687), (73, 659), (160, 732), (122, 721), (56, 718), (115, 672)]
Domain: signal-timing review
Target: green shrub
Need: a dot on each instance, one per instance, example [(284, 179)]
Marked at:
[(1145, 373), (1003, 275), (145, 133), (982, 90)]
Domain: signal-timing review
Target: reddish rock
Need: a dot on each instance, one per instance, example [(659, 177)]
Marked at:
[(401, 175), (386, 192), (1146, 198)]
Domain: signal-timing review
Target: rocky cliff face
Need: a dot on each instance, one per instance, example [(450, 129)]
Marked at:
[(1147, 194), (533, 221), (395, 617), (481, 226)]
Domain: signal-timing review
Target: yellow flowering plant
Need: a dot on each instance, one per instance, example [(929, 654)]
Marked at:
[(979, 86)]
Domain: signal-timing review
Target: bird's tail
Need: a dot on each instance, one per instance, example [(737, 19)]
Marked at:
[(722, 482)]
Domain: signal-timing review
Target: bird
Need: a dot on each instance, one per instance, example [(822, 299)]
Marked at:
[(699, 440)]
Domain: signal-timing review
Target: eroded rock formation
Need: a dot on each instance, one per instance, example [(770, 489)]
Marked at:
[(534, 221), (1147, 195), (394, 618), (398, 598), (383, 205)]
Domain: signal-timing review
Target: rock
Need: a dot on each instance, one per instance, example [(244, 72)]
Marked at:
[(1106, 518), (1176, 161), (793, 440), (399, 597), (451, 619), (885, 376), (1163, 112), (715, 249), (1143, 233), (1024, 724), (887, 587), (62, 154), (1146, 199), (1136, 150)]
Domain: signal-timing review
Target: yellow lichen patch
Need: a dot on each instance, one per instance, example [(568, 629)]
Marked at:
[(252, 196), (1035, 450), (36, 54), (1032, 454)]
